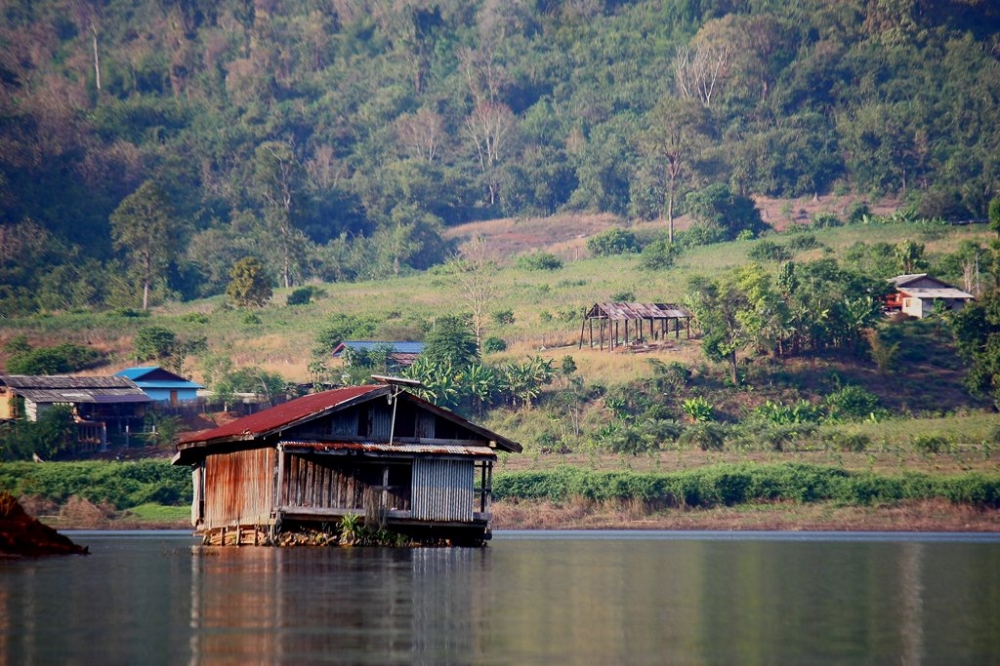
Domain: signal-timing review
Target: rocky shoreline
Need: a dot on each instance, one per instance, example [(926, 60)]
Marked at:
[(21, 535)]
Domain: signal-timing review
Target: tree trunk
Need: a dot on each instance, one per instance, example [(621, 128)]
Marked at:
[(146, 278), (673, 170), (732, 368), (97, 60)]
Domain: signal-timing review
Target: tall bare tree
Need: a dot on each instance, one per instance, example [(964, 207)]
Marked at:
[(476, 273), (278, 183), (491, 127), (679, 129)]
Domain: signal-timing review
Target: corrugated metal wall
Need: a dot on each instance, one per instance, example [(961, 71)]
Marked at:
[(443, 490), (380, 417), (238, 487)]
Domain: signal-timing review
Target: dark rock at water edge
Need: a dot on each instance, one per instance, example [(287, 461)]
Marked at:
[(22, 535)]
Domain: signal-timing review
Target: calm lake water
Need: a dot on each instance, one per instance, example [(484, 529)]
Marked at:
[(530, 597)]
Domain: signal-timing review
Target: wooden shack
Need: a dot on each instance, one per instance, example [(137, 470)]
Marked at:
[(376, 452), (649, 322), (103, 407)]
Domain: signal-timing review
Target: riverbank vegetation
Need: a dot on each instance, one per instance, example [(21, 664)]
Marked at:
[(549, 493)]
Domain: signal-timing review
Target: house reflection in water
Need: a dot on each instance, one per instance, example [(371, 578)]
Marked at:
[(342, 604)]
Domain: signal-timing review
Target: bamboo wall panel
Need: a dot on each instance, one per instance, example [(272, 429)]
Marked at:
[(239, 487), (443, 490)]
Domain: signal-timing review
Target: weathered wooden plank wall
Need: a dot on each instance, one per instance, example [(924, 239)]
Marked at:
[(321, 484)]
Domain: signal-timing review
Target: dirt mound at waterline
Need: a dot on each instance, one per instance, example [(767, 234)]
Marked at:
[(22, 535)]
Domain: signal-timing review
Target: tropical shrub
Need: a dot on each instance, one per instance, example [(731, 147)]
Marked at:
[(659, 255), (494, 345), (61, 359), (154, 342), (698, 409), (852, 403), (930, 443), (767, 250), (299, 296), (613, 241), (503, 317), (539, 261)]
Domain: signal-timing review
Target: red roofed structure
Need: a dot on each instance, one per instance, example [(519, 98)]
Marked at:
[(377, 452)]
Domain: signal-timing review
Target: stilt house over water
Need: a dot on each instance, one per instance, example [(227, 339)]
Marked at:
[(376, 451)]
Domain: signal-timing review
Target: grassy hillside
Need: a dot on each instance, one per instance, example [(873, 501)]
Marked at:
[(547, 305), (546, 308)]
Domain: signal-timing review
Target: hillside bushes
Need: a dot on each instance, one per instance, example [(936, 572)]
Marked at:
[(729, 484), (122, 484)]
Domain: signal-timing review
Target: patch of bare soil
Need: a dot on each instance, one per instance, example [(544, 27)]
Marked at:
[(578, 514), (21, 535), (782, 213), (565, 235)]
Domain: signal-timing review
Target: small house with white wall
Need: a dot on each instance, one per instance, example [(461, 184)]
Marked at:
[(917, 295)]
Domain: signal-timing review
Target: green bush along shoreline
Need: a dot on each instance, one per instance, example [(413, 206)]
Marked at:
[(730, 484), (152, 483)]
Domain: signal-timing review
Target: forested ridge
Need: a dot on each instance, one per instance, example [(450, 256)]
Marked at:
[(147, 146)]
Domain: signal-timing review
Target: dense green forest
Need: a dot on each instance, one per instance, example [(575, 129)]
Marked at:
[(146, 146)]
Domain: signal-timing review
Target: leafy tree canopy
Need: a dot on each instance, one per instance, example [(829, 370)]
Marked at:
[(249, 285), (452, 341)]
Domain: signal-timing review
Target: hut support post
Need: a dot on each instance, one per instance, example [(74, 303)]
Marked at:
[(279, 482)]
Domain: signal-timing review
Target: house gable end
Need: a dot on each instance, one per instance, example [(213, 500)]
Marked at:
[(374, 421)]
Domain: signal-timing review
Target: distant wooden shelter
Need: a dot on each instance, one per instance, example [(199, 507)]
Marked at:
[(646, 319), (99, 403), (377, 452)]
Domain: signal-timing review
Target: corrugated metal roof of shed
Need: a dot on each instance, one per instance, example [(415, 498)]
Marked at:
[(622, 311), (66, 382), (404, 347), (82, 395), (949, 293), (281, 415)]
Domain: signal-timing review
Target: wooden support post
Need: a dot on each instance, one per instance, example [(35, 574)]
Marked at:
[(583, 327)]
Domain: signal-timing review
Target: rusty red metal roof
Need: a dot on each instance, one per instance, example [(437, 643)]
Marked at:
[(281, 416)]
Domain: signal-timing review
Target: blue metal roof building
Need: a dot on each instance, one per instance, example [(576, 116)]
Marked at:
[(162, 385), (401, 354)]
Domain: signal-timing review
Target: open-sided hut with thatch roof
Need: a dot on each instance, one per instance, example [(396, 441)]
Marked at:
[(647, 321), (376, 452)]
